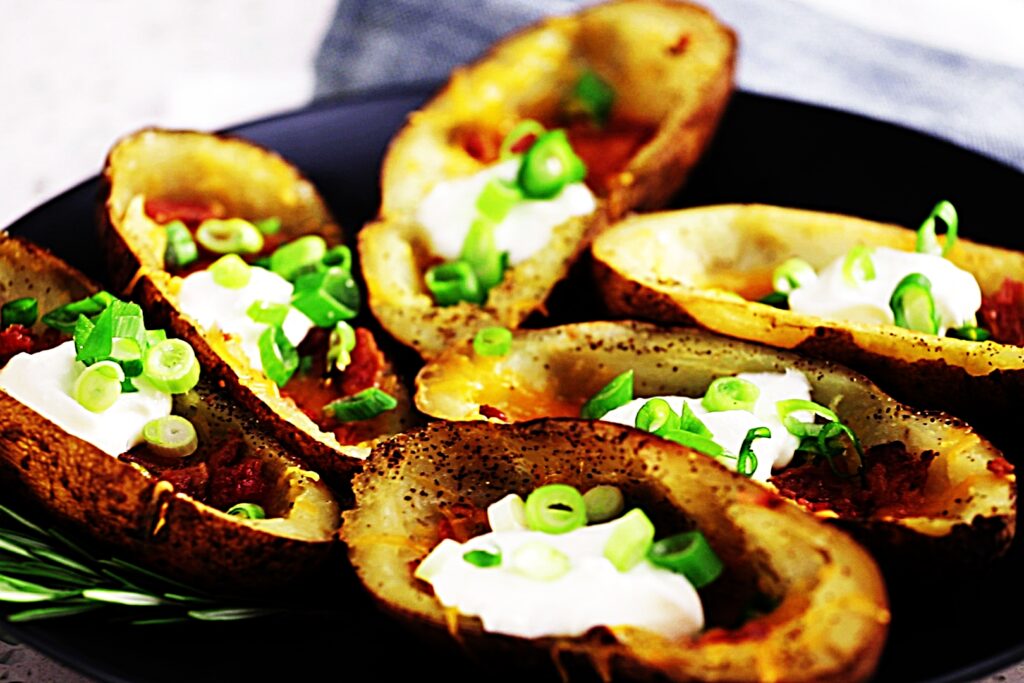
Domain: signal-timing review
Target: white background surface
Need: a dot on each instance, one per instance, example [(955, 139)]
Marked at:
[(76, 75)]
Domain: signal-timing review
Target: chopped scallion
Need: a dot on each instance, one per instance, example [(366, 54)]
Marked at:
[(592, 96), (730, 393), (746, 461), (858, 267), (927, 242), (630, 540), (365, 405), (656, 415), (23, 311), (603, 503), (229, 236), (298, 256), (171, 436), (267, 313), (539, 561), (550, 165), (451, 283), (616, 393), (247, 511), (269, 226), (181, 248), (520, 138), (492, 341), (231, 272), (99, 386), (497, 199), (482, 558), (279, 357), (555, 509), (171, 366), (688, 554), (970, 333), (340, 346), (791, 274), (913, 306)]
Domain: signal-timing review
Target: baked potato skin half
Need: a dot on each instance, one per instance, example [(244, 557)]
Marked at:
[(670, 64), (120, 504), (829, 626), (967, 512), (686, 266), (250, 182)]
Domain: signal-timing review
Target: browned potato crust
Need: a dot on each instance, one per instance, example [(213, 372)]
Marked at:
[(686, 267), (671, 65), (249, 182), (832, 616), (120, 504), (968, 510)]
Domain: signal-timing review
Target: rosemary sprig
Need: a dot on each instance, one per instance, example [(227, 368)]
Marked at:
[(54, 577)]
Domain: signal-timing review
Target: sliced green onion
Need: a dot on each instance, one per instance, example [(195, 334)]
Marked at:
[(181, 248), (267, 313), (127, 353), (730, 393), (630, 540), (970, 333), (775, 299), (656, 415), (927, 242), (340, 345), (593, 97), (689, 422), (616, 393), (492, 341), (555, 509), (524, 129), (697, 442), (231, 272), (154, 337), (797, 405), (247, 511), (451, 283), (269, 226), (603, 503), (497, 199), (298, 256), (171, 366), (329, 293), (322, 308), (367, 404), (65, 317), (539, 561), (507, 514), (912, 305), (171, 436), (746, 461), (340, 256), (278, 355), (791, 274), (94, 339), (688, 554), (23, 311), (482, 558), (827, 439), (128, 322), (229, 236), (99, 386), (480, 251), (858, 266), (550, 165)]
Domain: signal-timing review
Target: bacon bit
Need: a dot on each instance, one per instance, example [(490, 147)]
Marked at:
[(1000, 467), (680, 45), (481, 144), (15, 339), (367, 363), (193, 481), (235, 478), (523, 144), (607, 151), (755, 629), (461, 522), (190, 212), (492, 412), (1003, 313)]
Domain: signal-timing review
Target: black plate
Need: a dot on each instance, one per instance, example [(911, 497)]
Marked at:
[(767, 150)]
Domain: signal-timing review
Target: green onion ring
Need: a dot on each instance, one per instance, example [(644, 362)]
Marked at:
[(98, 387), (616, 393), (795, 427), (229, 236), (792, 274), (539, 561), (521, 130), (555, 509), (656, 415), (730, 393), (697, 442), (365, 405), (688, 554), (603, 503), (492, 341), (23, 311), (970, 333), (858, 267), (927, 242), (231, 272), (482, 558), (630, 540), (298, 256), (549, 166), (171, 436), (746, 461), (912, 304), (451, 283), (247, 511), (171, 366), (181, 248)]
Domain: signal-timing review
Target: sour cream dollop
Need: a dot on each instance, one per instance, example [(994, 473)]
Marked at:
[(214, 306), (44, 382), (729, 427), (592, 593), (450, 208), (956, 293)]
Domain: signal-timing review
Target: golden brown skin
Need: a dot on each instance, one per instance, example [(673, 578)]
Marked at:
[(250, 182), (832, 616), (122, 505), (687, 267), (671, 65), (968, 510)]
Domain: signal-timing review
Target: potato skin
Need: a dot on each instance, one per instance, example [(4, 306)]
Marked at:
[(250, 182), (832, 619), (121, 505), (680, 85), (552, 372), (705, 252)]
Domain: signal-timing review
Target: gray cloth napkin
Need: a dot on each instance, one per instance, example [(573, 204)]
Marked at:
[(787, 49)]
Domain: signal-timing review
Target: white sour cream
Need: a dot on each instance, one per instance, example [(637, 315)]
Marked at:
[(729, 427), (44, 382), (449, 210), (956, 293), (214, 306), (592, 593)]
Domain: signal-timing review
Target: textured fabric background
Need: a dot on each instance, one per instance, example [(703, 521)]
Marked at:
[(786, 48)]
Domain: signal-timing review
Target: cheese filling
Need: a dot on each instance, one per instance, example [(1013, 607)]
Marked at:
[(592, 593), (729, 427), (449, 210), (44, 381), (956, 293)]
